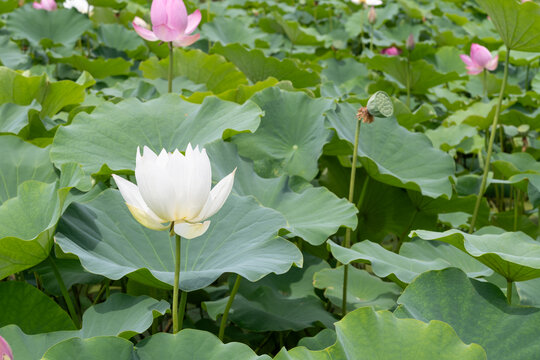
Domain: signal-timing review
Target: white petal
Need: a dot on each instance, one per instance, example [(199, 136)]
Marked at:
[(217, 198), (194, 183), (190, 231), (155, 183), (136, 205)]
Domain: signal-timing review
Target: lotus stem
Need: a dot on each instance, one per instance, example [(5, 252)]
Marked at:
[(182, 308), (484, 84), (176, 282), (351, 199), (64, 292), (223, 324), (490, 146), (509, 291), (171, 64), (409, 80)]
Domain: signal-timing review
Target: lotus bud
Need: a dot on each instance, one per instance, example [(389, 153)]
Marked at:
[(410, 42), (372, 15)]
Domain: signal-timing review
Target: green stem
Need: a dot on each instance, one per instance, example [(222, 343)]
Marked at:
[(527, 85), (64, 291), (351, 199), (171, 64), (371, 38), (101, 291), (409, 81), (228, 307), (516, 208), (176, 283), (491, 141), (183, 302), (208, 20), (484, 84), (509, 291)]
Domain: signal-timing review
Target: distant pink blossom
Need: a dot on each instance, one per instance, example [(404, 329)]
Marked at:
[(391, 51), (5, 350), (479, 60), (170, 23), (48, 5)]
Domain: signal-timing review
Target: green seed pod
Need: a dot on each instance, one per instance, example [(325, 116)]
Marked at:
[(380, 105)]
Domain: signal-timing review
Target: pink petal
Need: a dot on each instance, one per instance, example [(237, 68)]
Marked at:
[(139, 26), (474, 69), (49, 5), (467, 60), (186, 40), (165, 33), (37, 5), (480, 55), (193, 21), (158, 12), (492, 64), (177, 17)]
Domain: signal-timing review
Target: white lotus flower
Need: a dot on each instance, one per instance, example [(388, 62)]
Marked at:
[(172, 187), (82, 6), (368, 2)]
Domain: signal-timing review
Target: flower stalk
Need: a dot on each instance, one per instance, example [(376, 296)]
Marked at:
[(64, 292), (223, 324), (171, 67), (176, 280), (490, 145)]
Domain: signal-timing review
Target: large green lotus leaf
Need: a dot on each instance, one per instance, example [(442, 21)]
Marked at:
[(22, 161), (415, 258), (241, 239), (265, 309), (314, 213), (19, 89), (277, 302), (11, 56), (229, 31), (477, 311), (61, 26), (72, 273), (27, 224), (519, 117), (120, 315), (363, 289), (62, 93), (259, 67), (292, 131), (518, 24), (103, 348), (423, 75), (447, 138), (325, 338), (479, 114), (408, 119), (13, 117), (96, 142), (117, 37), (369, 334), (517, 163), (296, 33), (212, 70), (193, 344), (395, 156), (514, 255), (30, 309), (99, 68)]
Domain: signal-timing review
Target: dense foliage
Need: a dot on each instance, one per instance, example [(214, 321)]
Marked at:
[(440, 259)]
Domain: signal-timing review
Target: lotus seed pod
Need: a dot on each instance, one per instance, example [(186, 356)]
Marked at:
[(380, 105), (523, 129)]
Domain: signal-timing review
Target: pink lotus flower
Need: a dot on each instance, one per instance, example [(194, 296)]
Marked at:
[(479, 60), (48, 5), (5, 350), (170, 23), (391, 51)]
